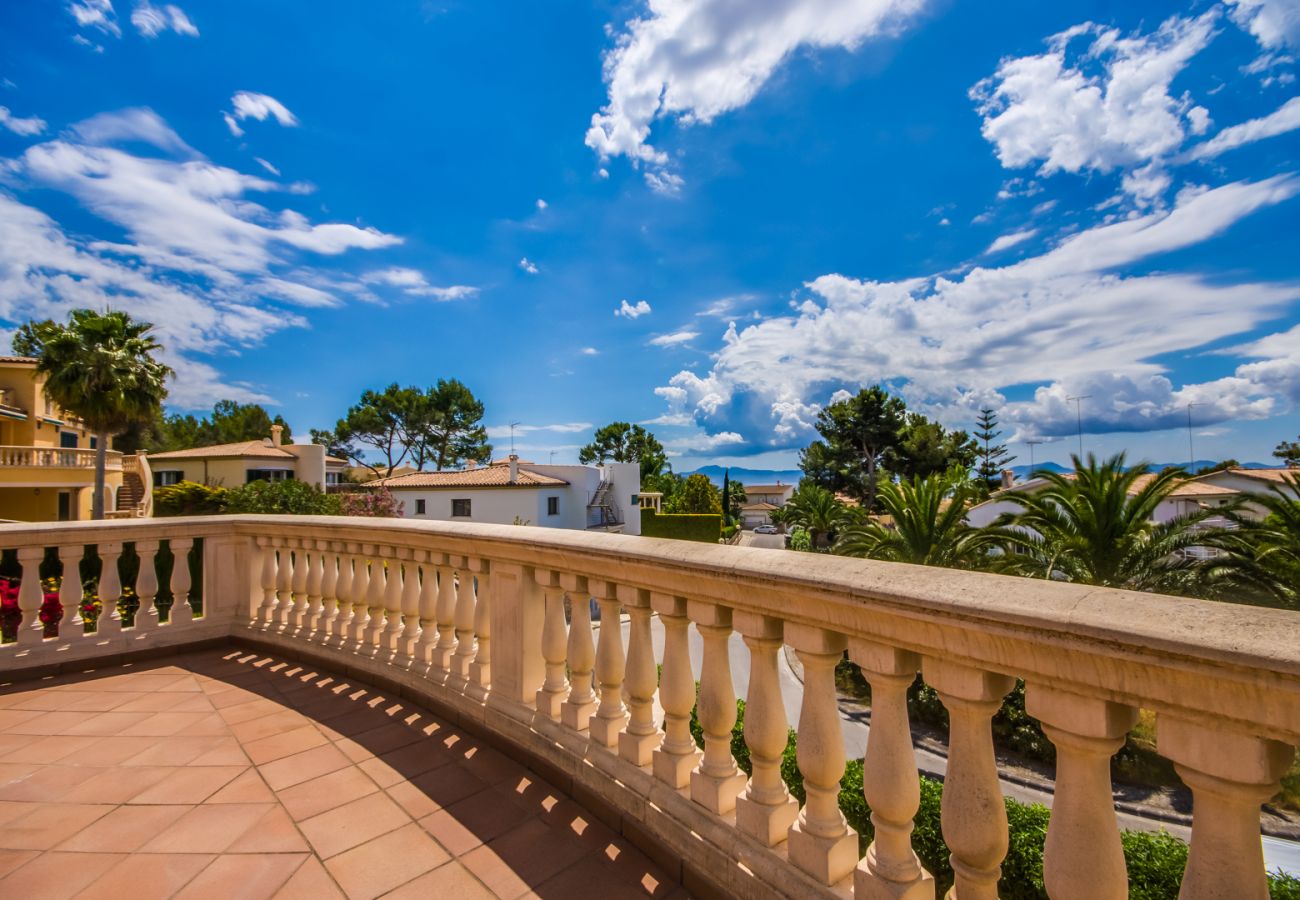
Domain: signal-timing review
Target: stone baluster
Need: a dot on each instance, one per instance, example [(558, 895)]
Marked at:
[(1083, 857), (973, 815), (266, 613), (304, 558), (180, 581), (146, 585), (890, 870), (676, 756), (1230, 774), (71, 591), (331, 571), (465, 601), (429, 589), (611, 715), (284, 585), (30, 596), (821, 843), (390, 641), (766, 810), (639, 738), (361, 579), (314, 588), (109, 622), (344, 589), (480, 670), (715, 782), (368, 638), (577, 710), (410, 605), (555, 636), (446, 613)]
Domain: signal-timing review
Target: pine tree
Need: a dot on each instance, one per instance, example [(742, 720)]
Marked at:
[(993, 457)]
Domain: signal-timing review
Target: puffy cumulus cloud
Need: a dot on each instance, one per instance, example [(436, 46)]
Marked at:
[(251, 105), (97, 14), (702, 442), (213, 269), (1281, 120), (633, 310), (1272, 22), (1108, 107), (694, 60), (948, 343), (1011, 240), (413, 283), (152, 21), (529, 266), (25, 127)]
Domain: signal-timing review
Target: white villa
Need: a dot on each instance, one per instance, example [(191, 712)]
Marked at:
[(761, 500), (508, 491)]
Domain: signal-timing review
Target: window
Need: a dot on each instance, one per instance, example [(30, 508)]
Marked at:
[(419, 507), (460, 509), (166, 477), (552, 506), (268, 475), (68, 440), (94, 442), (331, 477)]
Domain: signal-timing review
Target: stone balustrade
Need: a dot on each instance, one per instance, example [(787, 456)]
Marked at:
[(55, 458), (493, 625)]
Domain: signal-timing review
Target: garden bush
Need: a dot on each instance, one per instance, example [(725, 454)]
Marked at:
[(703, 527), (281, 498), (189, 498)]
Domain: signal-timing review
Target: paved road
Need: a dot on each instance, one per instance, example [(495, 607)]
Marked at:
[(1278, 853), (766, 541)]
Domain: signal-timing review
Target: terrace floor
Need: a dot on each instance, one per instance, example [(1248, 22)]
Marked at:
[(230, 774)]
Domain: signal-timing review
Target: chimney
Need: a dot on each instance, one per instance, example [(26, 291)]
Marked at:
[(277, 435), (514, 467), (471, 465), (1008, 479)]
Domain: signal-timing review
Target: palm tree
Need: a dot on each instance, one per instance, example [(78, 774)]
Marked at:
[(929, 526), (100, 368), (1095, 526), (816, 509), (1262, 557)]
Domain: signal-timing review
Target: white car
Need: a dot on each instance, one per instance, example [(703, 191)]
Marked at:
[(765, 529)]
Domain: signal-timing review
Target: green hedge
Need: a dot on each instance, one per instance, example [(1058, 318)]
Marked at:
[(703, 527)]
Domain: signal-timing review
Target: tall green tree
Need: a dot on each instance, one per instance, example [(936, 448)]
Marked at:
[(734, 497), (697, 495), (858, 436), (726, 496), (1288, 452), (101, 368), (993, 457), (1261, 561), (446, 427), (382, 421), (230, 422), (816, 509), (1094, 526), (926, 448), (626, 443), (929, 525)]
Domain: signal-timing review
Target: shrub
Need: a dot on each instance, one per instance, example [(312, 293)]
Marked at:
[(281, 497), (376, 504), (703, 527), (189, 498), (800, 539)]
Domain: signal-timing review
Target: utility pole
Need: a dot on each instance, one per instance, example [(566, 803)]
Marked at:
[(512, 437), (1191, 449), (1078, 412), (1032, 445)]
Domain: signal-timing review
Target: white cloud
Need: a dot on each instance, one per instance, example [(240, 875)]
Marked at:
[(694, 60), (528, 266), (266, 165), (1283, 119), (496, 432), (633, 310), (589, 351), (1050, 110), (1067, 314), (702, 442), (1272, 22), (1010, 240), (140, 124), (96, 14), (251, 105), (725, 307), (25, 127), (152, 21), (669, 184), (413, 283), (674, 339), (541, 204)]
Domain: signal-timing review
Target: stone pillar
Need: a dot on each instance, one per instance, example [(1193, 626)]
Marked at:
[(640, 737), (821, 843), (283, 585), (446, 612), (1230, 775), (480, 670), (973, 814), (517, 666), (303, 559), (577, 710), (410, 604), (31, 631), (361, 578), (71, 592), (265, 614), (329, 589), (1083, 857), (715, 782), (109, 623), (346, 582), (369, 638), (146, 585), (390, 639), (428, 608), (465, 602), (610, 666), (676, 756), (179, 582), (555, 637), (232, 589), (314, 587), (766, 810)]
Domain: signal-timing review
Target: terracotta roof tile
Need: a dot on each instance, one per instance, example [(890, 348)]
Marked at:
[(254, 449), (1274, 475), (485, 476)]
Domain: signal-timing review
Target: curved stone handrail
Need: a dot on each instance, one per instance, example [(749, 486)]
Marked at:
[(474, 617)]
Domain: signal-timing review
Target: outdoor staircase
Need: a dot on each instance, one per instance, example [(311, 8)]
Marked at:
[(602, 511), (130, 496)]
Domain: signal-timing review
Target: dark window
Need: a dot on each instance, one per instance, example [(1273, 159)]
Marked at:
[(68, 439), (94, 442), (552, 506), (268, 475), (165, 477), (419, 507), (460, 508)]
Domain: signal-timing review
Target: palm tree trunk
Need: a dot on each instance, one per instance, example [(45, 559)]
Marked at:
[(101, 460)]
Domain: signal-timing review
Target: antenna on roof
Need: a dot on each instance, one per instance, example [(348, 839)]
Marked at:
[(1078, 413), (1032, 445), (512, 437), (1191, 449)]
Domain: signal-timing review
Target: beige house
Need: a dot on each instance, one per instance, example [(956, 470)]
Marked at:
[(761, 500), (232, 465)]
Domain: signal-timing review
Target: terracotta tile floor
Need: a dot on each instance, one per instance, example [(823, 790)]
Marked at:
[(227, 774)]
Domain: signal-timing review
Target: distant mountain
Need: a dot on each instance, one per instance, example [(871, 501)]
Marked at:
[(1022, 472), (749, 476)]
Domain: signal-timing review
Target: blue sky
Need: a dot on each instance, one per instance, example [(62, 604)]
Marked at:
[(711, 216)]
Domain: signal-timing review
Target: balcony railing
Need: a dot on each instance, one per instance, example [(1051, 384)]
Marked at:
[(473, 620), (55, 458)]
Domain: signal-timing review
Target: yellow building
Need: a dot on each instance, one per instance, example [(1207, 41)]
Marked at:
[(47, 458), (233, 465)]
